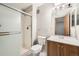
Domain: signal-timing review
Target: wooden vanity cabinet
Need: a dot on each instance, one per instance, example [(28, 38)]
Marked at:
[(60, 49)]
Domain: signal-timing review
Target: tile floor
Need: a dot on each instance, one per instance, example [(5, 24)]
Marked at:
[(26, 52)]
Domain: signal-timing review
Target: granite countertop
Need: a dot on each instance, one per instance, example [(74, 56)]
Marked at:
[(64, 39)]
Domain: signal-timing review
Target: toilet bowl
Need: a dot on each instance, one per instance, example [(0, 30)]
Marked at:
[(36, 49)]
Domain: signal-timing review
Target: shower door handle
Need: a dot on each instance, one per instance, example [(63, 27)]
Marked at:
[(8, 33), (4, 33)]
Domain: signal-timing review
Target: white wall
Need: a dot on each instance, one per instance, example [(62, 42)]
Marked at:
[(44, 19), (34, 21), (11, 22)]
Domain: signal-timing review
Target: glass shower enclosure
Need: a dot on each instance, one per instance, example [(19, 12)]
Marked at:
[(10, 32)]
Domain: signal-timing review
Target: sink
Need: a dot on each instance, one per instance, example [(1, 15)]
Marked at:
[(61, 37)]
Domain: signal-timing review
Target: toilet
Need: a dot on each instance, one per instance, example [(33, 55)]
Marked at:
[(36, 49)]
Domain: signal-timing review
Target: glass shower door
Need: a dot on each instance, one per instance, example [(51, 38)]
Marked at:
[(10, 32)]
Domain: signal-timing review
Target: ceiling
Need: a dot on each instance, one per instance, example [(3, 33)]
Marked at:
[(19, 5)]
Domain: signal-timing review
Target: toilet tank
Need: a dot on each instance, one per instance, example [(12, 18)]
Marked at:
[(41, 40)]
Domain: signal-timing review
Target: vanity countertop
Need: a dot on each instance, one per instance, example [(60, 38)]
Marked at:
[(64, 39)]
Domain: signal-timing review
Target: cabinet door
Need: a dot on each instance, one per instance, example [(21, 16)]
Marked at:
[(53, 48), (69, 50), (65, 50), (74, 51)]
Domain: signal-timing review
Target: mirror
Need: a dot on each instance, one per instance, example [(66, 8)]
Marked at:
[(59, 26), (65, 25)]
